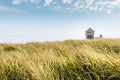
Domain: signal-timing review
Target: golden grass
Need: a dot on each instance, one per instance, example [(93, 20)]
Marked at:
[(97, 59)]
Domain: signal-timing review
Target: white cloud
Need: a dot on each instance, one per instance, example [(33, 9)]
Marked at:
[(117, 2), (17, 2), (78, 5), (48, 2), (82, 6), (57, 8), (90, 2), (67, 1), (108, 6), (96, 5), (93, 8), (112, 3)]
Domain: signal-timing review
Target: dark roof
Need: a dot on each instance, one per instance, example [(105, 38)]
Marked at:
[(90, 29)]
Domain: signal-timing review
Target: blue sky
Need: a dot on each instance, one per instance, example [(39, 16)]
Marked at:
[(51, 20)]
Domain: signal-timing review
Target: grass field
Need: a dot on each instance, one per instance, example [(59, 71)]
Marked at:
[(97, 59)]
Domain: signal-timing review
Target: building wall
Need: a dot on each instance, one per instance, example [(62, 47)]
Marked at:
[(89, 37), (89, 34)]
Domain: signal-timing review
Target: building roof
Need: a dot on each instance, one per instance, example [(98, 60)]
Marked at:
[(90, 29)]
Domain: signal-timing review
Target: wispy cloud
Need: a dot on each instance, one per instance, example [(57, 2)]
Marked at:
[(48, 2), (108, 6), (90, 2), (76, 5), (67, 1), (18, 2), (105, 5), (109, 2)]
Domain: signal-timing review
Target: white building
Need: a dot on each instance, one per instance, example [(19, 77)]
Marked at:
[(89, 33)]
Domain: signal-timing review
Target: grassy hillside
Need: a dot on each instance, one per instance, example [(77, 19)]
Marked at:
[(67, 60)]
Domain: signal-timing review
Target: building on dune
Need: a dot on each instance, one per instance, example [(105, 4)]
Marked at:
[(90, 34)]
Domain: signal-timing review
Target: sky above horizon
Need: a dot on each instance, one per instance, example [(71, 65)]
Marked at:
[(50, 20)]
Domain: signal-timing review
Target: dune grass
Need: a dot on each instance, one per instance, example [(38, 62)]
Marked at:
[(97, 59)]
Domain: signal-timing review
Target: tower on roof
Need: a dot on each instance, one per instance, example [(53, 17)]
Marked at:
[(89, 33)]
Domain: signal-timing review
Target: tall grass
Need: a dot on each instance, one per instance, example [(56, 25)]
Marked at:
[(97, 59)]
